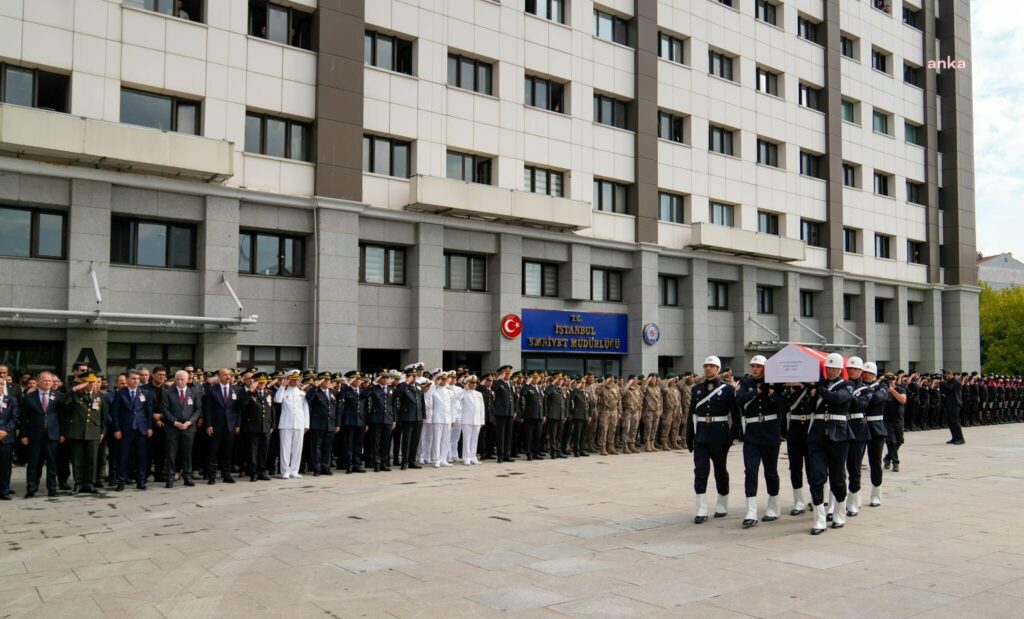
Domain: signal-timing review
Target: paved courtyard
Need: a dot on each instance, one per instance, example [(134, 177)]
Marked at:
[(606, 537)]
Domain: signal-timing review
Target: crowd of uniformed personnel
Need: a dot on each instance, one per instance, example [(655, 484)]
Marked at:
[(149, 424)]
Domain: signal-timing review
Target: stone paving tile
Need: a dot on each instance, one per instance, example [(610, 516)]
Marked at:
[(815, 559), (607, 606), (569, 566), (515, 599)]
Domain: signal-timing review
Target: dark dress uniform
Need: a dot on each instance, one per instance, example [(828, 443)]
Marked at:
[(828, 439), (381, 415), (258, 422), (322, 422), (951, 403), (894, 428), (83, 422), (800, 408), (9, 425), (180, 406), (486, 446), (533, 419), (409, 412), (710, 432), (874, 418), (352, 413), (504, 411), (924, 396), (157, 442), (858, 432), (762, 434), (581, 408), (555, 411)]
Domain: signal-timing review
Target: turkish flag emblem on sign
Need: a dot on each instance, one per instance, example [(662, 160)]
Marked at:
[(511, 326)]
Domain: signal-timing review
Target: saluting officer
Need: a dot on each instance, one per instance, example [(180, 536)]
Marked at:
[(555, 411), (83, 424), (533, 418), (323, 424), (257, 406), (381, 415), (708, 436), (759, 405), (828, 442), (581, 409)]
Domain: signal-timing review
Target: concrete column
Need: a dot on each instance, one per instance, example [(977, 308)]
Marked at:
[(931, 331), (961, 336), (640, 290), (745, 293), (787, 305), (88, 248), (506, 271), (426, 277), (693, 298), (575, 279), (899, 332), (218, 260), (864, 314), (337, 290), (831, 307), (80, 339), (217, 349)]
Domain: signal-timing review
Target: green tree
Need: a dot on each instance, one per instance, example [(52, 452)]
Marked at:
[(1002, 330)]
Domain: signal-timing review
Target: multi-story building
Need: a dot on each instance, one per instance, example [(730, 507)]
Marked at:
[(1000, 271), (362, 184)]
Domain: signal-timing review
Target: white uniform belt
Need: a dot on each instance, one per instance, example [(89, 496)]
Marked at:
[(835, 417), (705, 419), (793, 417), (761, 418), (875, 418), (856, 415)]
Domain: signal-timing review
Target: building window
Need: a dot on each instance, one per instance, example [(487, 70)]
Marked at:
[(882, 187), (914, 134), (465, 272), (553, 10), (382, 264), (547, 182), (910, 316), (610, 197), (767, 81), (671, 127), (916, 193), (281, 24), (768, 153), (810, 233), (718, 295), (605, 285), (469, 168), (540, 279), (725, 2), (720, 140), (469, 73), (609, 111), (911, 17), (544, 93), (811, 164), (880, 122), (849, 175), (721, 214), (915, 252), (766, 12), (880, 60), (806, 304), (34, 88), (668, 291), (883, 246), (807, 29), (32, 233), (847, 46), (849, 240), (182, 9), (611, 27), (387, 52), (767, 223), (122, 356), (849, 110), (271, 358), (670, 207), (847, 307), (152, 243), (672, 49), (879, 310), (811, 97), (277, 137), (765, 300), (271, 255), (913, 75), (159, 112), (386, 156), (719, 65)]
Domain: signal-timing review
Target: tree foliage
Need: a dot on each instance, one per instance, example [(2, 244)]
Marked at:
[(1002, 330)]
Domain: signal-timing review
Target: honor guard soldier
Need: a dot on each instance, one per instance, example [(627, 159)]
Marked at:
[(874, 417), (759, 406), (83, 424), (828, 442), (257, 405), (504, 411), (709, 436), (858, 429), (894, 413), (800, 409), (322, 424), (181, 410)]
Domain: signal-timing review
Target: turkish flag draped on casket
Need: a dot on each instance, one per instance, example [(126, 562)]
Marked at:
[(797, 364)]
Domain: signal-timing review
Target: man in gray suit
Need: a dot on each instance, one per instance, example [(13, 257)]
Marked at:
[(181, 408)]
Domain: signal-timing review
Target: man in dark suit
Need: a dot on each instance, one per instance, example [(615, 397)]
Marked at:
[(220, 414), (180, 408), (257, 410), (40, 432), (323, 423), (8, 425), (131, 420)]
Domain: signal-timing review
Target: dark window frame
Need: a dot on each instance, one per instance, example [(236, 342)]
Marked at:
[(374, 141), (618, 190), (812, 164), (724, 63), (718, 295), (402, 60), (676, 207), (808, 30), (620, 27), (763, 76), (767, 12), (555, 93), (554, 10), (278, 364), (848, 307), (810, 97), (176, 103), (619, 111), (916, 252), (545, 269), (289, 124), (916, 193), (811, 233), (765, 298), (607, 276), (35, 86), (133, 249), (847, 46), (668, 43), (389, 252), (883, 246), (881, 60), (807, 304), (133, 360), (850, 175), (253, 234), (880, 311), (767, 152), (470, 260), (728, 146), (480, 164), (672, 124), (534, 171), (850, 240), (459, 81), (882, 186), (771, 221), (666, 297), (725, 209), (300, 24), (34, 231)]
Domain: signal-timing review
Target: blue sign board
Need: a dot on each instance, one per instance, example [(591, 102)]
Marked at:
[(575, 332)]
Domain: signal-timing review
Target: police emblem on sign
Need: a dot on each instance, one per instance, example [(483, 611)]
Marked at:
[(651, 333)]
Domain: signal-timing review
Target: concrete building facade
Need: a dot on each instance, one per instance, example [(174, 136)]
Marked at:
[(345, 184)]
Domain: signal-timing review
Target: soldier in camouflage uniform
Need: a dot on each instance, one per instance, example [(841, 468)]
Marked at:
[(632, 405), (685, 386), (652, 411), (670, 411), (609, 411)]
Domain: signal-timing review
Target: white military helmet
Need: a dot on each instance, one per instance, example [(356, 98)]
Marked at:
[(758, 360), (713, 360), (871, 368), (855, 363), (835, 360)]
